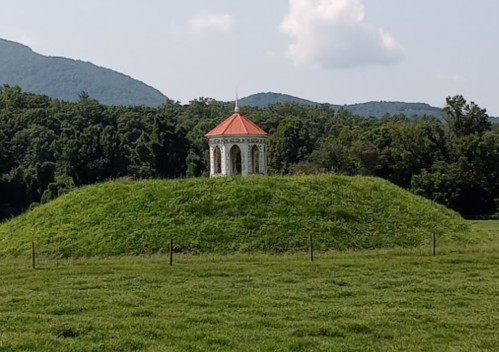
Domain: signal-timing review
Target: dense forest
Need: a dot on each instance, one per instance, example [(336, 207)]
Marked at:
[(48, 146)]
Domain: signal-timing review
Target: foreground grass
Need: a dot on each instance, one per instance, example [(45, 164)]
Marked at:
[(390, 300), (228, 215)]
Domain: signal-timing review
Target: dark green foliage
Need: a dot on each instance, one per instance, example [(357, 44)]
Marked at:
[(465, 179), (65, 79), (290, 145), (48, 147), (272, 214), (466, 119), (193, 165), (442, 186), (51, 193)]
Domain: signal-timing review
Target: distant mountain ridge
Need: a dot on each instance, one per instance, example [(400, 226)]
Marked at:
[(65, 79), (262, 100), (371, 109)]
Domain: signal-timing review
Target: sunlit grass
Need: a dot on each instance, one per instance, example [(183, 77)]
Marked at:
[(382, 300), (255, 215)]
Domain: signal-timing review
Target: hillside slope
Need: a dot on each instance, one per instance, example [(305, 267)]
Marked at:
[(65, 79), (274, 214), (371, 109), (380, 109), (262, 100)]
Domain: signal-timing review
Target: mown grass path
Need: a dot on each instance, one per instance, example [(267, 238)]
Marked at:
[(392, 300)]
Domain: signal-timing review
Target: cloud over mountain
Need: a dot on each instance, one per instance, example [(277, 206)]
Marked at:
[(216, 22), (334, 34)]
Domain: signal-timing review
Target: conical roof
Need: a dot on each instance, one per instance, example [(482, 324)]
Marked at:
[(237, 125)]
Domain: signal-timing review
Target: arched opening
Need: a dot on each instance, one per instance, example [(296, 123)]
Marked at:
[(255, 160), (235, 161), (218, 161)]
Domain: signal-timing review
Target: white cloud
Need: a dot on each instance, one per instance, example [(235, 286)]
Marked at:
[(334, 34), (218, 22)]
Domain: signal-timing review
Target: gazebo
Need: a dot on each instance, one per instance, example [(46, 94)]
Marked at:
[(238, 147)]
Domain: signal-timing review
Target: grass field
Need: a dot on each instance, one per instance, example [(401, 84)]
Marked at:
[(228, 215), (387, 300)]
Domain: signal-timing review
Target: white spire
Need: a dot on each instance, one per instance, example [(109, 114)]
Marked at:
[(237, 103)]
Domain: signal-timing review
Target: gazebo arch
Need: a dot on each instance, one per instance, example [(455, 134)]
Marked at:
[(218, 161), (236, 165)]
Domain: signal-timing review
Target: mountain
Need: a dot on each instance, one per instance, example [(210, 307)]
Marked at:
[(380, 109), (374, 109), (262, 100), (65, 79)]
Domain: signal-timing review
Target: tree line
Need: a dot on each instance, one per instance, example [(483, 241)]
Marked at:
[(48, 146)]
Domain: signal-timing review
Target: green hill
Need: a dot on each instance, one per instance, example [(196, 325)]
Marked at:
[(380, 109), (371, 109), (65, 79), (274, 214), (262, 100)]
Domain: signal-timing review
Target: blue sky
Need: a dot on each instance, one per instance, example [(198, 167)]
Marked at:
[(337, 51)]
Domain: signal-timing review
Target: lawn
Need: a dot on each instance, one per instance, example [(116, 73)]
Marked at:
[(386, 300)]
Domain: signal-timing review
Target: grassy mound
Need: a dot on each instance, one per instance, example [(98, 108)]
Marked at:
[(274, 214)]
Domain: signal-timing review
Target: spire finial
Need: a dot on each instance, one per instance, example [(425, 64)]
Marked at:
[(237, 103)]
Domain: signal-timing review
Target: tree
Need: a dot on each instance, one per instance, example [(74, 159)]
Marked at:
[(332, 157), (408, 147), (465, 119), (290, 145)]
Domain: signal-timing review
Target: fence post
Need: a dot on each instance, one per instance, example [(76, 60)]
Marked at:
[(312, 248), (33, 255), (171, 251)]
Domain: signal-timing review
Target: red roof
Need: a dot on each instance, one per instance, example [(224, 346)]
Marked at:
[(237, 125)]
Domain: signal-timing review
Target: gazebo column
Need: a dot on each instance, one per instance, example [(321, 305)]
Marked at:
[(262, 161), (245, 160), (225, 156), (212, 160)]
